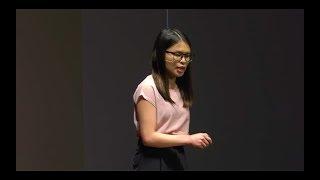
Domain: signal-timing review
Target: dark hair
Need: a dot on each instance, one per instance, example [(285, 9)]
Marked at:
[(165, 39)]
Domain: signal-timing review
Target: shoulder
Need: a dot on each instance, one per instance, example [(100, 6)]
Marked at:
[(148, 82), (146, 89)]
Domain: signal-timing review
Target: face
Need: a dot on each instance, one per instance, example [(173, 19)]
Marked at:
[(174, 64)]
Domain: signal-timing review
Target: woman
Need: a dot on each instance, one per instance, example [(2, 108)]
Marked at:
[(161, 106)]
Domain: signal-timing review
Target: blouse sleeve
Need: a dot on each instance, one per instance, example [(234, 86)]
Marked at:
[(146, 92)]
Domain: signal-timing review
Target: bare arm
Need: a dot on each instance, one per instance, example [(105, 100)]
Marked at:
[(146, 113)]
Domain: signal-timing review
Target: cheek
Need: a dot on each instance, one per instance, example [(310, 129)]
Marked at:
[(170, 67)]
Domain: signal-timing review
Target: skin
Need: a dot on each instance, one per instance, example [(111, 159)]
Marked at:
[(146, 112), (171, 67)]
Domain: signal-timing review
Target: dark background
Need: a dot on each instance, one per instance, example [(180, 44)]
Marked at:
[(77, 71), (49, 116)]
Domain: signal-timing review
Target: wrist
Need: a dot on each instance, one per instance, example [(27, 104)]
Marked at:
[(189, 140)]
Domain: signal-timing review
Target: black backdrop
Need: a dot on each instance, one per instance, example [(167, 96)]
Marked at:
[(248, 80)]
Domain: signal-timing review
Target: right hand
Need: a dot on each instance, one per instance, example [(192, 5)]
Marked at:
[(200, 140)]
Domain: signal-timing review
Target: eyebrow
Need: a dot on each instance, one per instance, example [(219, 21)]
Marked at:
[(181, 52)]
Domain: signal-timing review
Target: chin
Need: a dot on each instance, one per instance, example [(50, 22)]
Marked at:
[(176, 74), (179, 74)]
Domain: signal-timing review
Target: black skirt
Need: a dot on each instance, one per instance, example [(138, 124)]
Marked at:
[(159, 159)]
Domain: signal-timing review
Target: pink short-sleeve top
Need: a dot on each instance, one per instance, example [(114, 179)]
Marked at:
[(170, 117)]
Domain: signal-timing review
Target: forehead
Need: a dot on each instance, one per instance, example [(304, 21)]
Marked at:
[(181, 46)]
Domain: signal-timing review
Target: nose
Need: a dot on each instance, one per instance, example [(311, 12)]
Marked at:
[(185, 59)]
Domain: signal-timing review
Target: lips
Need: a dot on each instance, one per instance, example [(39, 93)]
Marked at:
[(181, 68)]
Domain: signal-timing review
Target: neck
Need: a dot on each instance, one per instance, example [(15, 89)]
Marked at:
[(172, 82)]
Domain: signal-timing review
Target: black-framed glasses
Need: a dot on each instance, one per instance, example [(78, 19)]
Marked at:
[(177, 56)]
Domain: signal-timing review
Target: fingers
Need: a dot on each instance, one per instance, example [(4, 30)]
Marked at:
[(201, 140), (200, 143), (203, 145), (205, 141), (208, 137)]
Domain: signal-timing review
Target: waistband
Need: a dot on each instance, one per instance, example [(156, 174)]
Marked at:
[(148, 148)]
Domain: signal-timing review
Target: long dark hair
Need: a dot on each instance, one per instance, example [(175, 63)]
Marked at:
[(165, 39)]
